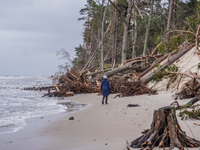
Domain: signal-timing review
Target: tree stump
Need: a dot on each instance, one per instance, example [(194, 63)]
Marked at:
[(165, 132)]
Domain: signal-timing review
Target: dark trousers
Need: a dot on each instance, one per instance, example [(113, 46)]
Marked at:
[(106, 99)]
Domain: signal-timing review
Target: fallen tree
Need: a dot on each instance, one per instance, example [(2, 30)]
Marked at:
[(129, 66), (153, 65), (128, 86), (184, 50), (89, 82), (133, 64)]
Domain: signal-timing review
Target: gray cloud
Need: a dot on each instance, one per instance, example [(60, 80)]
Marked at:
[(31, 33)]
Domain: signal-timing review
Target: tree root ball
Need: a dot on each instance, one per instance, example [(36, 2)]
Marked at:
[(165, 132)]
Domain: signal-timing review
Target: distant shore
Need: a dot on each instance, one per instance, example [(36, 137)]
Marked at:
[(95, 127)]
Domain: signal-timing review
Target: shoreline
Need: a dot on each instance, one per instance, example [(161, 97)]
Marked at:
[(31, 133), (96, 126)]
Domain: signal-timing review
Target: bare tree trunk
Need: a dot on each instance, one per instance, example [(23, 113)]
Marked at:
[(175, 14), (102, 34), (91, 42), (87, 46), (147, 30), (125, 43), (131, 65), (170, 18), (90, 60), (134, 34), (114, 50), (126, 28)]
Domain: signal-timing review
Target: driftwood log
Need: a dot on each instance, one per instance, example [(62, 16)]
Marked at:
[(165, 132)]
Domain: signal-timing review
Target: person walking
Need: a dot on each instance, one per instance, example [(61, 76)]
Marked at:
[(105, 88)]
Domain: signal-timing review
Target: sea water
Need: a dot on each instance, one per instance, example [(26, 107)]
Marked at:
[(17, 104)]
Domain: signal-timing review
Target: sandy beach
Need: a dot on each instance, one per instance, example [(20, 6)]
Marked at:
[(95, 127)]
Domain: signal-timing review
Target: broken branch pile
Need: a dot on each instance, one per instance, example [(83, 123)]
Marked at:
[(76, 85), (129, 88), (123, 79), (188, 91), (129, 79), (119, 84)]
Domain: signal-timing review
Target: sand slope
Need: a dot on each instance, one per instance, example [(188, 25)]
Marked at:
[(186, 64)]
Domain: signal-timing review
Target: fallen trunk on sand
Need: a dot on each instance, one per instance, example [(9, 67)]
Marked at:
[(165, 132)]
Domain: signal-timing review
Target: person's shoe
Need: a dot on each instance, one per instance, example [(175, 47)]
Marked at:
[(102, 102), (106, 102)]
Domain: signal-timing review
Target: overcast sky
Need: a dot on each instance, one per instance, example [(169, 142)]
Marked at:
[(33, 31)]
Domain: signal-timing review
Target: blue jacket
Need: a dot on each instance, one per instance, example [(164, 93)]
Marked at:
[(105, 87)]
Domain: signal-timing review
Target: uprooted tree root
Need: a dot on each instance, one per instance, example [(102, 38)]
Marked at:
[(130, 88), (76, 86), (79, 84), (165, 132), (189, 90)]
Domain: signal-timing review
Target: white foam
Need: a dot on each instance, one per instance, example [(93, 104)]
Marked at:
[(18, 105)]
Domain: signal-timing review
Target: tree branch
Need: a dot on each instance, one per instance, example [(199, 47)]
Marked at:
[(197, 43), (181, 31), (138, 10), (157, 47)]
